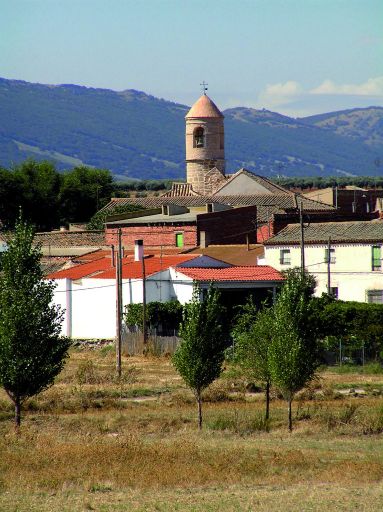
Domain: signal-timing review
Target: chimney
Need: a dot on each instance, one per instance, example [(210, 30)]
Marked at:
[(138, 250), (204, 239)]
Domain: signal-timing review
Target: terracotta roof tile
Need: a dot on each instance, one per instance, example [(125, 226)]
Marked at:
[(278, 201), (234, 254), (133, 269), (82, 270), (254, 273), (71, 238), (180, 189), (102, 269)]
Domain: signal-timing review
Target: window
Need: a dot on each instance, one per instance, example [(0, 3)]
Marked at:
[(375, 296), (179, 239), (334, 291), (285, 257), (332, 255), (198, 138), (376, 257)]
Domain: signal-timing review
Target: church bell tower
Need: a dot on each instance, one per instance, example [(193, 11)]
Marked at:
[(205, 144)]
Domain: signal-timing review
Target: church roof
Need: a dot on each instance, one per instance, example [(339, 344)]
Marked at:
[(180, 189), (204, 107)]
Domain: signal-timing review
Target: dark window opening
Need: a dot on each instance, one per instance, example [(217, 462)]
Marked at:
[(334, 291), (375, 296), (332, 256), (285, 257), (198, 140)]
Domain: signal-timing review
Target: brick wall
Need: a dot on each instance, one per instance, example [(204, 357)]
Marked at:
[(153, 236), (229, 226)]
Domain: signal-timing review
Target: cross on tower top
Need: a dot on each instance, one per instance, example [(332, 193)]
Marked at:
[(204, 88)]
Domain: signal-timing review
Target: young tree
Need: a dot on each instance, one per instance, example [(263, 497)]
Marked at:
[(199, 357), (32, 352), (253, 340), (293, 353)]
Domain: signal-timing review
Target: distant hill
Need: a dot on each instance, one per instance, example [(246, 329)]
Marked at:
[(363, 124), (139, 136)]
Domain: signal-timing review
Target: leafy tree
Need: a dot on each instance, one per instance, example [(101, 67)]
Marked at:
[(32, 352), (253, 336), (33, 186), (293, 353), (199, 357), (84, 191), (38, 185), (355, 323), (10, 199)]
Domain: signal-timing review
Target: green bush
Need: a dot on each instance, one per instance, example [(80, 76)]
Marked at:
[(165, 315)]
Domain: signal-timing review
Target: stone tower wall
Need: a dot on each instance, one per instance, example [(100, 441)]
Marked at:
[(200, 160)]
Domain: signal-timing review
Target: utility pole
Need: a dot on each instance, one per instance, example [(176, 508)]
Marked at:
[(144, 331), (118, 303), (302, 238), (328, 266)]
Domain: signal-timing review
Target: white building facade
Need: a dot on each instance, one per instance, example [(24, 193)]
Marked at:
[(354, 272)]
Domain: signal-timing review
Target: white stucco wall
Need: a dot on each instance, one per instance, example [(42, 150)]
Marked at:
[(90, 304), (351, 273), (181, 286)]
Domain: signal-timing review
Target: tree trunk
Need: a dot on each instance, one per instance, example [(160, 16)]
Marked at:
[(290, 416), (198, 397), (267, 392), (17, 413)]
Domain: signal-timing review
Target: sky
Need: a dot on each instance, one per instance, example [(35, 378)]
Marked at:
[(296, 57)]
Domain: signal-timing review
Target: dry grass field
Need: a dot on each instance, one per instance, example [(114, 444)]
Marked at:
[(93, 443)]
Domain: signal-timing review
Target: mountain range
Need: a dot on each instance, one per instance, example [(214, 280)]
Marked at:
[(136, 135)]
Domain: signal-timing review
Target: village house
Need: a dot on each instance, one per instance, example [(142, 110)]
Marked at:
[(360, 202), (344, 257), (87, 291)]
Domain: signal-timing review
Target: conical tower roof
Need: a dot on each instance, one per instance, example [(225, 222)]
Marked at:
[(204, 107)]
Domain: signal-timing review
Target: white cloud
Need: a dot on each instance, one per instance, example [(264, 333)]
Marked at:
[(372, 87), (291, 98), (280, 94)]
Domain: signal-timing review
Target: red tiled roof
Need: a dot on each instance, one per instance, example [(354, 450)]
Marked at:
[(102, 269), (82, 270), (255, 273), (93, 256), (133, 269)]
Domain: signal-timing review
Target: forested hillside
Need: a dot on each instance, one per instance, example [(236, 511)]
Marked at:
[(139, 136)]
